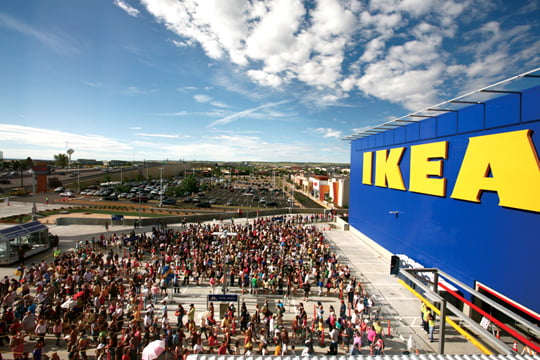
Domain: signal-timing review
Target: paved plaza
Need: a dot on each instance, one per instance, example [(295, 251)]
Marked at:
[(395, 307)]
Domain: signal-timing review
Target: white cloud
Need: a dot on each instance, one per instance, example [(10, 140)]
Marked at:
[(253, 148), (202, 98), (228, 146), (373, 49), (219, 104), (94, 84), (60, 43), (494, 51), (328, 132), (390, 49), (168, 136), (264, 78), (230, 118), (187, 88), (136, 90), (50, 142), (122, 4), (178, 113)]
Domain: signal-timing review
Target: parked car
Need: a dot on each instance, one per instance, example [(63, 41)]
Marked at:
[(169, 201), (18, 191), (4, 181), (59, 189), (68, 194), (110, 198), (140, 198), (230, 203), (271, 204), (203, 204)]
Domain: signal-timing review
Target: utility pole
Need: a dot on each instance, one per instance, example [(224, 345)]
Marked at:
[(160, 187), (34, 209)]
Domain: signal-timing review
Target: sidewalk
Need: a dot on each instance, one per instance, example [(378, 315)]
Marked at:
[(395, 302)]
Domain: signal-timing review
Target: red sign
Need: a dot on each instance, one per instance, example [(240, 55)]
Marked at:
[(42, 170)]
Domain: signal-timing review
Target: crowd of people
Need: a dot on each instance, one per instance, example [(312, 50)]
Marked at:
[(109, 296)]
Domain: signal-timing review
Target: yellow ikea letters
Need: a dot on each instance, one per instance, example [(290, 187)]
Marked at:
[(505, 163), (387, 169), (423, 168)]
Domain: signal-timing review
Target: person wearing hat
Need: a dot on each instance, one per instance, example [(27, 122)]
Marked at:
[(100, 352)]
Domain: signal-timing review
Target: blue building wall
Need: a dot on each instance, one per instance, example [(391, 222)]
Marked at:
[(498, 246)]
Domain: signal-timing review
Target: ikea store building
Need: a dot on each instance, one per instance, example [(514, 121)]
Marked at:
[(457, 187)]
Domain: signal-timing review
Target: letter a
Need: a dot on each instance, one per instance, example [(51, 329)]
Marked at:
[(506, 163)]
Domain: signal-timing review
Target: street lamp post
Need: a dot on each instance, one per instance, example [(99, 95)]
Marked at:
[(139, 208), (34, 209), (160, 187)]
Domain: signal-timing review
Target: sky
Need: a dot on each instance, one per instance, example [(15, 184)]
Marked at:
[(241, 80)]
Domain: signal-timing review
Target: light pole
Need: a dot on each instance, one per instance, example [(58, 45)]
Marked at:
[(139, 195), (160, 187), (34, 209)]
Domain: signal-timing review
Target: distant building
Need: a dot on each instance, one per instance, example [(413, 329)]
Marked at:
[(92, 162), (118, 163), (339, 191), (323, 188)]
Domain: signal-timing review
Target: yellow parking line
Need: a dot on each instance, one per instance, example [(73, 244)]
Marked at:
[(458, 328)]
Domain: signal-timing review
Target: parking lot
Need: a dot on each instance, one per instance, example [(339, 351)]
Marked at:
[(239, 194), (246, 196)]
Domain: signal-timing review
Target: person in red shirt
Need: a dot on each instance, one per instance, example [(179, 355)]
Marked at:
[(222, 350), (17, 345), (125, 355)]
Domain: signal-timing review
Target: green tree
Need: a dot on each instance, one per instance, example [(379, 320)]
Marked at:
[(190, 184), (217, 171), (61, 160), (175, 191), (122, 188), (21, 166)]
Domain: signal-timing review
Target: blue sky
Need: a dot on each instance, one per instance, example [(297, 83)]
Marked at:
[(239, 80)]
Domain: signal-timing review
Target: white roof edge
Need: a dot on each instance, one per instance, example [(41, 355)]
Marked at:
[(427, 108)]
